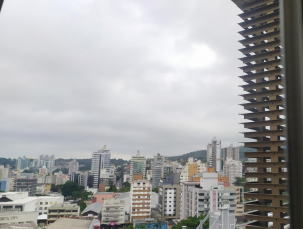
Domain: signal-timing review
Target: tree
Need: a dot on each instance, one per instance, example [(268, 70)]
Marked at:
[(130, 226), (82, 205), (192, 222), (28, 171), (76, 194), (156, 190), (125, 187), (69, 187), (239, 181), (112, 188), (159, 221), (56, 188), (140, 226)]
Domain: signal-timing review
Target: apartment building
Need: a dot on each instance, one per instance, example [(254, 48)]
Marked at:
[(157, 170), (262, 77), (14, 217), (140, 199), (232, 169), (191, 169), (62, 210), (26, 185), (232, 152), (206, 195), (100, 162), (214, 155), (169, 197), (21, 202), (137, 166), (3, 172), (113, 210)]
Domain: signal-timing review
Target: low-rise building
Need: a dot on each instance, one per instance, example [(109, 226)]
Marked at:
[(69, 223), (62, 210), (113, 210), (92, 209), (17, 217), (169, 197), (21, 202), (100, 197), (140, 199)]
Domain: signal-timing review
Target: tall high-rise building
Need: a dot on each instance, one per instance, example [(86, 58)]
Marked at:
[(22, 163), (100, 163), (263, 86), (73, 167), (137, 166), (157, 170), (232, 152), (214, 154)]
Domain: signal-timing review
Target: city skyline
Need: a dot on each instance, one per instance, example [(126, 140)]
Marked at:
[(136, 76)]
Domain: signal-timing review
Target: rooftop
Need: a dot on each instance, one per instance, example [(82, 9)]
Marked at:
[(95, 207), (68, 223), (20, 201)]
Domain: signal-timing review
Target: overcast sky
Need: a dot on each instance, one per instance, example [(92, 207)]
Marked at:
[(155, 76)]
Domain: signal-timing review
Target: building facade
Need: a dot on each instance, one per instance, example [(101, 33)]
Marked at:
[(157, 170), (264, 102), (73, 167), (26, 185), (169, 197), (100, 162), (3, 172), (140, 200), (113, 210), (214, 154), (206, 195), (232, 152), (62, 210), (232, 169), (137, 166)]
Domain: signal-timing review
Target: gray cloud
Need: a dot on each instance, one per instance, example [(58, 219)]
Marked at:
[(158, 76)]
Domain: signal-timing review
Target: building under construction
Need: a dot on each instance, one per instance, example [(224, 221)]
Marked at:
[(267, 202)]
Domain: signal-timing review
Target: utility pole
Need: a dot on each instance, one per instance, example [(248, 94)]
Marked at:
[(1, 3)]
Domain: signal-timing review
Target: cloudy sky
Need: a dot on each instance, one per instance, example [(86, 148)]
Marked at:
[(155, 76)]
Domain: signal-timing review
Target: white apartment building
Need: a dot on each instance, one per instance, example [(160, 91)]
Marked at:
[(113, 210), (232, 169), (21, 202), (100, 162), (140, 200), (73, 167), (138, 166), (206, 195), (3, 172), (214, 154)]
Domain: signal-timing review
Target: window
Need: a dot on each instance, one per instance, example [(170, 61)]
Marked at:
[(46, 202), (41, 203), (51, 203)]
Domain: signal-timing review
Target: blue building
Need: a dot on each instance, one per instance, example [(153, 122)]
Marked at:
[(5, 185)]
